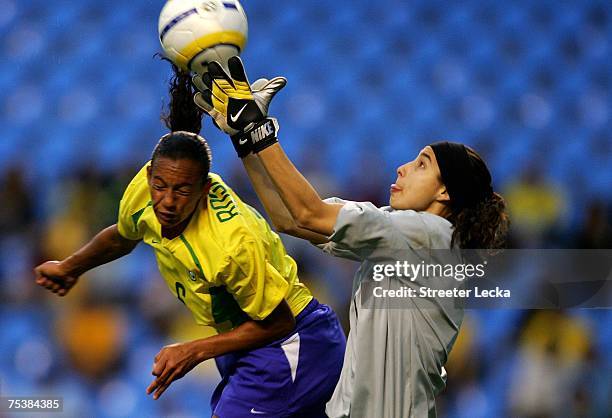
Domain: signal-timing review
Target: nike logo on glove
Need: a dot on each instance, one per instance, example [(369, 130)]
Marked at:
[(253, 411), (235, 117)]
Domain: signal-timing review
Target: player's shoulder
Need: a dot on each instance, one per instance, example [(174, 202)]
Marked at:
[(140, 178), (136, 194), (423, 228), (226, 211)]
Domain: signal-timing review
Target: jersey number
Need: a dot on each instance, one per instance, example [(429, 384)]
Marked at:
[(180, 291)]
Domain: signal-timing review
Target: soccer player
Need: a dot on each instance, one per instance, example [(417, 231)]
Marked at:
[(443, 199), (279, 350)]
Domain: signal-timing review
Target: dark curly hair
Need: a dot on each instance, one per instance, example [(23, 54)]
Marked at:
[(182, 113), (483, 226), (184, 120)]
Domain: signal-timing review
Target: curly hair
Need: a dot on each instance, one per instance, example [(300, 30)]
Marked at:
[(184, 120), (182, 113), (483, 226)]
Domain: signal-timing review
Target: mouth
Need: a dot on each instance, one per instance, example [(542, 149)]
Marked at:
[(395, 188), (166, 217)]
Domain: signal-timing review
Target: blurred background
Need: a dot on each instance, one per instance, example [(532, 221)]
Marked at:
[(526, 83)]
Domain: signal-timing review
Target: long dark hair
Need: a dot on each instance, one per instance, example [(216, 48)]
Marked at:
[(182, 114), (184, 120), (484, 225)]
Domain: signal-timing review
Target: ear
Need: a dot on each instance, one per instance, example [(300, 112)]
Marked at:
[(443, 195), (149, 170), (207, 187), (205, 191)]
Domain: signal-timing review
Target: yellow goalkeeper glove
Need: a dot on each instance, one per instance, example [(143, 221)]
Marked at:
[(238, 108)]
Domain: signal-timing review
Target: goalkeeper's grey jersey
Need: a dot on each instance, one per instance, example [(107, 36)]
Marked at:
[(393, 365)]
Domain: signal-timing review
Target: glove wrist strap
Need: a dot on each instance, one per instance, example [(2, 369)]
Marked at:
[(256, 138), (242, 146)]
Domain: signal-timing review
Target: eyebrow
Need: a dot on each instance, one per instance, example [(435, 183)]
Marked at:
[(426, 156)]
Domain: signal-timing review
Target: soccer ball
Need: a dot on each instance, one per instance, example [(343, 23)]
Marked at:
[(193, 33)]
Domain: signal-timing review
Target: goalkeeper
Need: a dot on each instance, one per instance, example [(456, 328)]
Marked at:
[(278, 350), (443, 199)]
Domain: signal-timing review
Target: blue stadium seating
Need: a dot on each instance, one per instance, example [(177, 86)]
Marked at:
[(522, 81)]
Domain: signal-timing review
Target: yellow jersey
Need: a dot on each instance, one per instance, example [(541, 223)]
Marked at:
[(227, 266)]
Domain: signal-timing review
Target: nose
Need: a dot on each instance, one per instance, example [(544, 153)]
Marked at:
[(168, 201), (401, 170)]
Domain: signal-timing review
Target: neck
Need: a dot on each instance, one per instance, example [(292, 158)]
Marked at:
[(439, 209)]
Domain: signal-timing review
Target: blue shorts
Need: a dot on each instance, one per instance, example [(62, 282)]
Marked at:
[(292, 377)]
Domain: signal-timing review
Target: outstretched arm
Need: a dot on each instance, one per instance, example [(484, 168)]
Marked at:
[(240, 110), (176, 360), (300, 198), (106, 246), (273, 204)]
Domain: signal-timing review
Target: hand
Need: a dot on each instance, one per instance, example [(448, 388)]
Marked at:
[(54, 277), (230, 100), (237, 107), (171, 363)]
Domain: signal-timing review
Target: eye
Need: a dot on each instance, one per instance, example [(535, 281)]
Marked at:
[(184, 191), (158, 187), (421, 164)]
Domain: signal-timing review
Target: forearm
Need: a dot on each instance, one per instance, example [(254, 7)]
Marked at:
[(106, 246), (273, 204), (300, 198), (247, 336)]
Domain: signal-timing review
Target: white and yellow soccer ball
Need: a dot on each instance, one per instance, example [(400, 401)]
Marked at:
[(194, 33)]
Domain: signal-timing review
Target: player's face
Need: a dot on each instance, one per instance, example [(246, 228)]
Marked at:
[(176, 187), (418, 183)]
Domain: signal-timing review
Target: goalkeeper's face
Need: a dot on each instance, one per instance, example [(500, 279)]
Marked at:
[(419, 184), (176, 187)]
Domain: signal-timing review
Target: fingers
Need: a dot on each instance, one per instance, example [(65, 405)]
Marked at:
[(161, 388), (158, 367), (200, 83), (54, 284), (218, 73), (165, 376), (207, 80), (275, 85), (236, 69), (152, 386), (259, 84), (204, 100), (204, 86), (266, 92), (49, 276), (158, 370)]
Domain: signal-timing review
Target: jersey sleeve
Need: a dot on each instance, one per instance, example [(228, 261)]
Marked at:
[(333, 248), (255, 284), (362, 229), (132, 205)]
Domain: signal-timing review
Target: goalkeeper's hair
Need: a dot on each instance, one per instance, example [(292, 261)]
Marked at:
[(184, 120), (483, 226)]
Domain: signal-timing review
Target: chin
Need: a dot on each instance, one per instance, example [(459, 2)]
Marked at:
[(392, 203), (398, 205)]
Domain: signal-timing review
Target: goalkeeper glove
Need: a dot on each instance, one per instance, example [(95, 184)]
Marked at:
[(238, 108)]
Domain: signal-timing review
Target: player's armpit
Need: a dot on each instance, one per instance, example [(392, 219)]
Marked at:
[(321, 219)]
